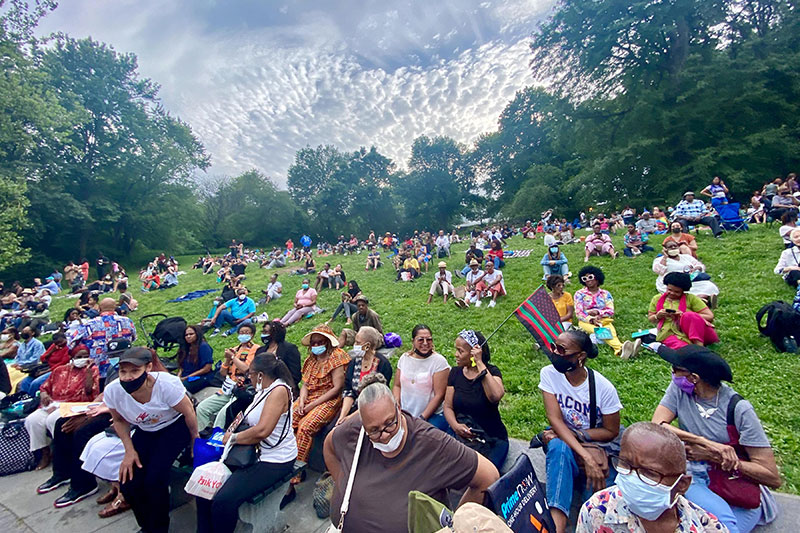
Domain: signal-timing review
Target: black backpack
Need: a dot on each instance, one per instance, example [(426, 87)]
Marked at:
[(782, 325), (169, 333)]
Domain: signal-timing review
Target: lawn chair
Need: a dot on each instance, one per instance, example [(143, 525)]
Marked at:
[(730, 217)]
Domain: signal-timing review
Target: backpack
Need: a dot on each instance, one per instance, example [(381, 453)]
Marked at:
[(169, 332), (782, 325)]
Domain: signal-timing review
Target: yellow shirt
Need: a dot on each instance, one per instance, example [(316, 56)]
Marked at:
[(563, 302), (411, 263)]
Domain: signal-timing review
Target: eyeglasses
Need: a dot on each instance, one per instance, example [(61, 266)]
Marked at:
[(424, 340), (587, 277), (388, 428), (648, 476), (560, 350)]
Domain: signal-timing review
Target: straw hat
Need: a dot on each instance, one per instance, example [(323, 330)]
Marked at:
[(442, 264), (474, 518), (324, 330), (474, 262)]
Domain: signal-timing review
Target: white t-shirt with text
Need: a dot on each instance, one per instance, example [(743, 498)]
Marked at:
[(156, 414), (574, 401)]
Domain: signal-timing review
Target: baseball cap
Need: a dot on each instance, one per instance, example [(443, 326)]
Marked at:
[(687, 193), (117, 346), (138, 356), (710, 366)]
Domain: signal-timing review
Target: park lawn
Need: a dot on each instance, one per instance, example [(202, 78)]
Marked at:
[(741, 264)]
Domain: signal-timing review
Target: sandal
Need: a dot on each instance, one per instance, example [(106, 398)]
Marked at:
[(116, 507), (108, 497)]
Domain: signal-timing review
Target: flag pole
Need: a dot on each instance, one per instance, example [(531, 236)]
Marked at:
[(507, 318)]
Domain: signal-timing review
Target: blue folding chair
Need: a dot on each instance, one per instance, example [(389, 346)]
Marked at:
[(731, 219)]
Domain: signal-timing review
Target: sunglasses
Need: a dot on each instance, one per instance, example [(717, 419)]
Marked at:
[(560, 350), (587, 277)]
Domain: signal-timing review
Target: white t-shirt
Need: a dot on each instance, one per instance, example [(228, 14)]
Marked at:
[(574, 401), (448, 276), (286, 450), (156, 414), (416, 381), (784, 232), (273, 287), (472, 276)]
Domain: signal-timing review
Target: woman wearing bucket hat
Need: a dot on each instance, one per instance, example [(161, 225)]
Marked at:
[(710, 414), (321, 394), (442, 283)]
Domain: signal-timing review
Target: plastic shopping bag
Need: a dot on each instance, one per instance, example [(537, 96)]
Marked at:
[(207, 479)]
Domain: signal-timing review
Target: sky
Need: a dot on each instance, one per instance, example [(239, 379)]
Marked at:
[(257, 80)]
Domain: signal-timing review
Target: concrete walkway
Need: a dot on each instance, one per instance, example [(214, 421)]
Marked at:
[(24, 511)]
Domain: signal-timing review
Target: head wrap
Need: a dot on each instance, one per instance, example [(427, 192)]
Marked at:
[(469, 336)]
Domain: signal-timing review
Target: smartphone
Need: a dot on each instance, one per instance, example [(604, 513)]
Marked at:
[(669, 310)]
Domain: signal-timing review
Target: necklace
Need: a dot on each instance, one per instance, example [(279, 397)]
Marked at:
[(706, 413)]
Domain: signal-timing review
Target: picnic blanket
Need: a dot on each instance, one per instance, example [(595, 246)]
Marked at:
[(507, 254), (192, 295)]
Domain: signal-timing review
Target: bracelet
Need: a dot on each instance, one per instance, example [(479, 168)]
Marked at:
[(223, 365), (483, 374)]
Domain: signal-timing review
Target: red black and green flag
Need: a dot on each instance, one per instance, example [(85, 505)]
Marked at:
[(540, 317)]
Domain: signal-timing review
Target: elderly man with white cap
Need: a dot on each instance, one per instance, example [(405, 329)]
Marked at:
[(691, 211), (442, 282)]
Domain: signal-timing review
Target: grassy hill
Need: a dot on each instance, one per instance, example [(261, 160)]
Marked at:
[(741, 264)]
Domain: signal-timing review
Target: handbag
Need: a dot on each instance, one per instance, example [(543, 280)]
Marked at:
[(349, 489), (15, 454), (732, 487), (34, 370), (244, 455), (323, 492), (598, 453), (481, 442), (207, 479)]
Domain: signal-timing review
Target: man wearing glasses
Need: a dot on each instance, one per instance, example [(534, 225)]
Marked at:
[(648, 495), (399, 454)]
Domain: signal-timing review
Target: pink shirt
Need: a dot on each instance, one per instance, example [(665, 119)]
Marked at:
[(306, 298)]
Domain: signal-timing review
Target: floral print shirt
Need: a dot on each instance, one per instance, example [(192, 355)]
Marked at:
[(607, 512), (586, 301)]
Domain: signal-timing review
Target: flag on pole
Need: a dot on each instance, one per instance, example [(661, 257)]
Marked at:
[(540, 317)]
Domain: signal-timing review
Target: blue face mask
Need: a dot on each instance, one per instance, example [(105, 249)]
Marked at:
[(644, 500), (318, 350), (243, 337), (305, 285)]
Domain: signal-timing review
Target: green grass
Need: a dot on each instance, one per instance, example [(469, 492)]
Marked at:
[(741, 264)]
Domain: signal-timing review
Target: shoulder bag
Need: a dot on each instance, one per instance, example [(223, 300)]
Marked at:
[(349, 489), (733, 487), (244, 455), (598, 453)]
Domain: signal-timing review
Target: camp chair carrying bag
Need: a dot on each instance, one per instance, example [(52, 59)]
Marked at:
[(519, 499)]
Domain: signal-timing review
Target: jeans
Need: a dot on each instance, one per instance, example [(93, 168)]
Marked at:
[(737, 519), (439, 422), (31, 385), (644, 248), (348, 309), (711, 222), (148, 491), (498, 454), (551, 270), (225, 317), (67, 449), (562, 473), (221, 514), (499, 263)]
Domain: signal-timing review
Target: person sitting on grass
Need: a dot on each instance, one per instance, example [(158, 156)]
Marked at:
[(789, 263), (233, 371), (473, 277), (565, 386), (594, 308), (421, 381), (195, 360), (170, 279), (673, 261), (598, 243), (554, 262), (686, 242), (474, 390), (304, 301), (698, 399), (365, 361), (442, 283), (491, 283), (682, 318), (348, 303), (789, 223), (410, 265), (563, 301), (234, 312), (364, 316), (323, 278), (634, 242), (274, 289), (495, 254), (373, 260)]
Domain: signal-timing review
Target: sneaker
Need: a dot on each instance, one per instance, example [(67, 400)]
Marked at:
[(224, 334), (72, 497), (215, 333), (478, 302), (492, 303), (627, 350), (51, 484), (712, 301)]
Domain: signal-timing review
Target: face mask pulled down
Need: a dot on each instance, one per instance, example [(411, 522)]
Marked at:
[(393, 444)]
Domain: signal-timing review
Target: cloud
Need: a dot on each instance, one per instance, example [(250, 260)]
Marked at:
[(255, 91)]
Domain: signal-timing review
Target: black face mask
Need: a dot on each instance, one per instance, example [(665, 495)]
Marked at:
[(423, 355), (676, 230), (265, 338), (134, 384), (560, 363), (25, 335)]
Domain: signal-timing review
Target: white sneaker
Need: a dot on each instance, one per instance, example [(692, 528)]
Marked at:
[(631, 349), (478, 302), (492, 303), (215, 333)]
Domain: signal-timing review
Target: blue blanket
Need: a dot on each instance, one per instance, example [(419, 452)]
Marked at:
[(192, 295)]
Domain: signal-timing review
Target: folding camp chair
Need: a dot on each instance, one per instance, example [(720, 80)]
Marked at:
[(730, 217)]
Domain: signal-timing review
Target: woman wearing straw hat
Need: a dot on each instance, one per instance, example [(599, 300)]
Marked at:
[(442, 282), (321, 394)]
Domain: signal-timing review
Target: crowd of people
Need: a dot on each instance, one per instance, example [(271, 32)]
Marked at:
[(424, 424)]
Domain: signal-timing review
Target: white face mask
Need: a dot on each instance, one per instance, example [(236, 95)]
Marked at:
[(673, 252), (80, 362), (394, 442), (4, 337), (358, 350)]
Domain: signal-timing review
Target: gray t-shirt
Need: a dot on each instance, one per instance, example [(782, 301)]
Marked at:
[(714, 428)]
